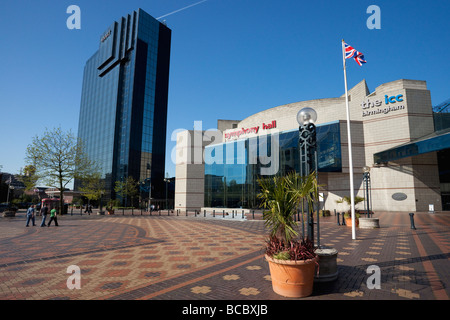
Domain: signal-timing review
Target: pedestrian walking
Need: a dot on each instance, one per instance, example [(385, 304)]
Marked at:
[(53, 217), (30, 215), (44, 211)]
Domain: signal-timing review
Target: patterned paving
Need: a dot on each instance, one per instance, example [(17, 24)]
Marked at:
[(193, 258)]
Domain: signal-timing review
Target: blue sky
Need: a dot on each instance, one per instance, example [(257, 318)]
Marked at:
[(229, 60)]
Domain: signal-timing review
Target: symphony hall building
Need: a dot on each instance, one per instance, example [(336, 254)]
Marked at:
[(395, 131)]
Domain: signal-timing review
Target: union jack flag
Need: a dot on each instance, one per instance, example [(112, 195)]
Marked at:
[(350, 52)]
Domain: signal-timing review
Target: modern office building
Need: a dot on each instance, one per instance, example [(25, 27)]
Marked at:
[(123, 114), (395, 132)]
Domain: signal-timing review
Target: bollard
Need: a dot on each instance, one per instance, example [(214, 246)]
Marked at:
[(178, 211), (232, 212), (338, 221), (214, 213), (242, 214), (223, 213), (253, 214), (411, 217), (335, 212)]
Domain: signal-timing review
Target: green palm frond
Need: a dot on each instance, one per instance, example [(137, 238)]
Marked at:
[(281, 197)]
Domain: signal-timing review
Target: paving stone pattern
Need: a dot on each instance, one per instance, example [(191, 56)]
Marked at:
[(161, 257)]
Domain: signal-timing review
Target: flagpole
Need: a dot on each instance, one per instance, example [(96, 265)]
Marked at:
[(350, 159)]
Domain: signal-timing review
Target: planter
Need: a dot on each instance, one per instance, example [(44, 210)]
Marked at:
[(325, 213), (327, 270), (8, 214), (348, 222), (293, 279), (369, 223)]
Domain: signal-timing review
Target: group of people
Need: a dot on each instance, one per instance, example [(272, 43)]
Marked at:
[(31, 213)]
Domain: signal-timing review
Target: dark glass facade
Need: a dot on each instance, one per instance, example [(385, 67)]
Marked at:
[(123, 113), (232, 168)]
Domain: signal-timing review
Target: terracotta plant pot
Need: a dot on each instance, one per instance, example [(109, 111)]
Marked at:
[(348, 222), (293, 279)]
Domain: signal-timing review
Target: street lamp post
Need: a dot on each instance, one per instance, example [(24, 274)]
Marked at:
[(101, 202), (366, 186), (149, 188), (9, 188), (308, 159), (167, 180)]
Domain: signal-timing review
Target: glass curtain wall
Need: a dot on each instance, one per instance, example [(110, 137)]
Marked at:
[(232, 169)]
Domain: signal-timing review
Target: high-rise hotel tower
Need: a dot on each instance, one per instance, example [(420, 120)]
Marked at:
[(123, 114)]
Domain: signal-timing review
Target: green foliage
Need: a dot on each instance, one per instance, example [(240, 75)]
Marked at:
[(113, 203), (283, 255), (58, 157), (127, 188), (92, 186), (280, 197), (348, 200), (324, 213), (78, 201), (348, 214), (280, 205), (28, 176)]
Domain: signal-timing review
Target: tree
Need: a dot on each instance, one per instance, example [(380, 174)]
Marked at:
[(28, 177), (58, 158), (93, 186), (127, 188)]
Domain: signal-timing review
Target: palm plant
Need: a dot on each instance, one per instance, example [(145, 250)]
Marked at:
[(280, 205), (305, 189), (281, 197), (348, 200), (293, 276)]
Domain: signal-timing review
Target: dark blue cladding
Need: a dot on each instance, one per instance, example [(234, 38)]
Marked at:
[(123, 114)]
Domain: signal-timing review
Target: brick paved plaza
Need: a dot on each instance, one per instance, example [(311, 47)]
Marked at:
[(140, 257)]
